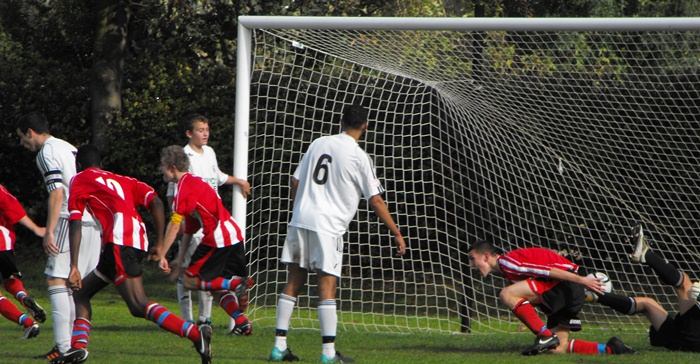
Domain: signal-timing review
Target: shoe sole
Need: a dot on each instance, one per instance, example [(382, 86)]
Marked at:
[(36, 311)]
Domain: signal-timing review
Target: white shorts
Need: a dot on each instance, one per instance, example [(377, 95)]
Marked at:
[(313, 250), (58, 266)]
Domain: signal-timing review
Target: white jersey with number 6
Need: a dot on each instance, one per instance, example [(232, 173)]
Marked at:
[(333, 175)]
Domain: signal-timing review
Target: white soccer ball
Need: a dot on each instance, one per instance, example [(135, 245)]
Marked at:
[(604, 279)]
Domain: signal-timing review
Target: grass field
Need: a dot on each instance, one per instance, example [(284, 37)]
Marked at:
[(119, 338)]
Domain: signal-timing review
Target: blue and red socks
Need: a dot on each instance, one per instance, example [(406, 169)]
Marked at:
[(170, 322)]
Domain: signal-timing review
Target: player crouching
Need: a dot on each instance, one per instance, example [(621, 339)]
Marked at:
[(219, 263), (543, 278), (11, 213)]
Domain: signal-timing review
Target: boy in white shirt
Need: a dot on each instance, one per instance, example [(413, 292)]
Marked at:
[(202, 164)]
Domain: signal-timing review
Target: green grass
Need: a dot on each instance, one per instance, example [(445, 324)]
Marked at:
[(119, 338)]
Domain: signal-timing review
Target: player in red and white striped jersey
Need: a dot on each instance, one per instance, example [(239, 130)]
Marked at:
[(543, 278), (112, 199), (219, 263), (11, 213)]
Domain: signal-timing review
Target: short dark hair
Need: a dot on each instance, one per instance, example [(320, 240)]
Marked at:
[(88, 156), (483, 246), (35, 121), (174, 155), (189, 120), (354, 116)]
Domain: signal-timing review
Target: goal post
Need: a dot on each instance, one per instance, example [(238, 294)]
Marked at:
[(553, 132)]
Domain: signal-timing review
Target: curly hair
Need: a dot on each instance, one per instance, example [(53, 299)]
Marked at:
[(173, 155)]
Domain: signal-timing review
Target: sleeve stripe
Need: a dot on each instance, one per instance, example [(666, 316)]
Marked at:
[(42, 161), (55, 180), (513, 267), (54, 171), (145, 198)]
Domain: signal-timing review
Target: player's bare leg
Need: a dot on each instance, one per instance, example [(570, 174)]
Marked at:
[(135, 297), (520, 298)]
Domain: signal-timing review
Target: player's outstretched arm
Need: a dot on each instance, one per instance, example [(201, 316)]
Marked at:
[(591, 283), (158, 212), (75, 234), (382, 211), (241, 183), (27, 222)]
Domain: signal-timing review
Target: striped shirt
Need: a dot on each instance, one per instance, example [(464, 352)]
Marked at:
[(333, 175), (11, 212), (202, 207), (520, 264), (112, 199)]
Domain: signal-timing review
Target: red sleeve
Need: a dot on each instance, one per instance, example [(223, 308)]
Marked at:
[(143, 194), (191, 225), (10, 207), (76, 199)]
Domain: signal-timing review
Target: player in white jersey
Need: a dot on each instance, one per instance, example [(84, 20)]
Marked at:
[(203, 164), (326, 187), (56, 162)]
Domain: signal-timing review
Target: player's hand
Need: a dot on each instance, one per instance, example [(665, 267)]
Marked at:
[(49, 243), (400, 245), (175, 271), (245, 187), (74, 280), (154, 253), (40, 232), (593, 284), (163, 264)]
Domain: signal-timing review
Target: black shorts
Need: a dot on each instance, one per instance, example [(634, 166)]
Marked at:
[(562, 305), (118, 262), (8, 265), (680, 332), (208, 262)]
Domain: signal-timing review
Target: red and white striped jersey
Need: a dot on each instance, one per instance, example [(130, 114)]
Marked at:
[(11, 212), (112, 199), (521, 264), (201, 205)]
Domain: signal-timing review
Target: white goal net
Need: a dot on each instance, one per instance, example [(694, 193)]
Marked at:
[(561, 139)]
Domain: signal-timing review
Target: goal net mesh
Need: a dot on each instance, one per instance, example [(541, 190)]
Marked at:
[(556, 139)]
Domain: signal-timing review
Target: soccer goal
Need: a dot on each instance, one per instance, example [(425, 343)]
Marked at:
[(559, 133)]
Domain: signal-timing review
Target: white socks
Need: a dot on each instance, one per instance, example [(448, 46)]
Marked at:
[(285, 307), (61, 308), (184, 298), (205, 301), (328, 320)]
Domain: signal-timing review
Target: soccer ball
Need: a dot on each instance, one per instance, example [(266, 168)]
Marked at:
[(607, 286)]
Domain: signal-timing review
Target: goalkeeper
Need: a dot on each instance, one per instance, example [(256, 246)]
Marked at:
[(677, 332), (543, 278)]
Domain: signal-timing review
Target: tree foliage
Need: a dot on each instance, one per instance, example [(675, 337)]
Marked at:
[(179, 57)]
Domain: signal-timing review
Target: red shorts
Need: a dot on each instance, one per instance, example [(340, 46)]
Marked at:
[(540, 286)]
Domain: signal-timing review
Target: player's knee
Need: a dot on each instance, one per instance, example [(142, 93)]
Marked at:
[(506, 296)]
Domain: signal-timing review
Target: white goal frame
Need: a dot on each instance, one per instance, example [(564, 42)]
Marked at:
[(247, 25)]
